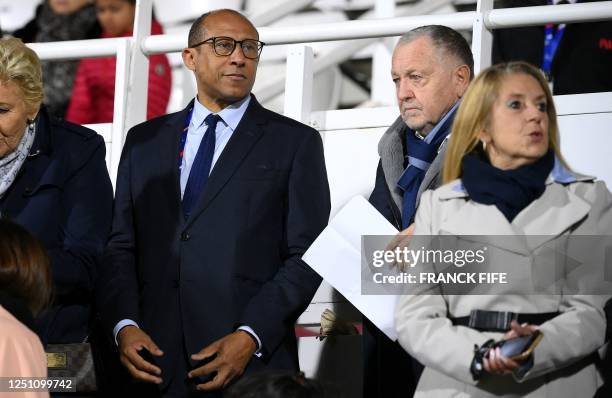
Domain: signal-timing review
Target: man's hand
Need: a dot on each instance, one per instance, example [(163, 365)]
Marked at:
[(402, 239), (232, 354), (132, 343)]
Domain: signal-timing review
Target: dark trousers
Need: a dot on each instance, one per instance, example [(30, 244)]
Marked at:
[(389, 371), (115, 380)]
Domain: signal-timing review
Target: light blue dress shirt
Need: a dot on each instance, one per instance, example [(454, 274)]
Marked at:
[(230, 117)]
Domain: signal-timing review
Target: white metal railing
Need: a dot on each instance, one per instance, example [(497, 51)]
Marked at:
[(132, 61), (360, 29), (120, 48), (342, 51)]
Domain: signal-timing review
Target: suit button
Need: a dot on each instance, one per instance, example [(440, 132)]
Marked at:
[(185, 236), (27, 191)]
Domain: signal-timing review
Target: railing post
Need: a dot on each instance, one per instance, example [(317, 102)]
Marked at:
[(298, 85), (122, 68), (136, 108), (482, 37), (383, 91)]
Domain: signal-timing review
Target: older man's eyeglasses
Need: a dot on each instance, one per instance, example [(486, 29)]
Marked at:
[(225, 46)]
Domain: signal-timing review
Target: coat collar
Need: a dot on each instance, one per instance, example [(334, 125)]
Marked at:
[(391, 152), (556, 211), (390, 149), (42, 140)]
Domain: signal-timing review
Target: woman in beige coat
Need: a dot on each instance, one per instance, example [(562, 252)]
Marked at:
[(505, 176)]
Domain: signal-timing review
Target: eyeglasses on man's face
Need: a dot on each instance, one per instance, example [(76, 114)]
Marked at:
[(225, 46)]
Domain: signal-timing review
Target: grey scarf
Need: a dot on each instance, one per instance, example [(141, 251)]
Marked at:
[(11, 163)]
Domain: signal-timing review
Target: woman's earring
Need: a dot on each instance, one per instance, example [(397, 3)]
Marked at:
[(484, 145), (30, 123)]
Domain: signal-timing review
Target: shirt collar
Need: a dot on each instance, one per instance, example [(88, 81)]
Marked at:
[(562, 175), (230, 115)]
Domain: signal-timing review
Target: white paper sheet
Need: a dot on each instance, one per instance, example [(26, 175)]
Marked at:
[(336, 256)]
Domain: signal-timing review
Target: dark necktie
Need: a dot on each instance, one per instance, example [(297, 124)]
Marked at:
[(198, 176)]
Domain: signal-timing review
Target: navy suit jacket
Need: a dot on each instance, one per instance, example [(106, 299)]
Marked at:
[(237, 259), (63, 196)]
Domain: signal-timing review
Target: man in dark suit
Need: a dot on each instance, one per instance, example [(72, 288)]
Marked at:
[(215, 205)]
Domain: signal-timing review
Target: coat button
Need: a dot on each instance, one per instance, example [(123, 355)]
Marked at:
[(185, 236), (27, 191)]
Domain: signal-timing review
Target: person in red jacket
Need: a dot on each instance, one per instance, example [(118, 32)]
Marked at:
[(94, 88)]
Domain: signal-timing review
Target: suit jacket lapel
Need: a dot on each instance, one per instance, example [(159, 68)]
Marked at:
[(169, 155), (246, 135)]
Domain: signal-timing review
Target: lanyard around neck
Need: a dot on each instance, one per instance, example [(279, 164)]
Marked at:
[(184, 136), (552, 38)]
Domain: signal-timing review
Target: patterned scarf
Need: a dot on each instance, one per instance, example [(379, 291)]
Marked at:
[(420, 154), (11, 163)]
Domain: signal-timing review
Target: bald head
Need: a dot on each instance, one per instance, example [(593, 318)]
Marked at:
[(197, 32)]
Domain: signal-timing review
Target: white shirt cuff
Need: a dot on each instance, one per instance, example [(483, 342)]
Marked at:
[(252, 333), (120, 325)]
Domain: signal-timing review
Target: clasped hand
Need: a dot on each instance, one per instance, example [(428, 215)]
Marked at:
[(230, 356)]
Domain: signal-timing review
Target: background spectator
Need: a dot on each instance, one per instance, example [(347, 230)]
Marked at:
[(582, 61), (94, 89), (60, 20)]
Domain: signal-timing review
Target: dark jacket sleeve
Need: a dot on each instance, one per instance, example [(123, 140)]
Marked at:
[(380, 198), (117, 290), (282, 299), (87, 203)]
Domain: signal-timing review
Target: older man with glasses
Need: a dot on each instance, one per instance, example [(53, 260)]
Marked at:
[(202, 278)]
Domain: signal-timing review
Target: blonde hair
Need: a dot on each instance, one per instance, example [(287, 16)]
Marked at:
[(473, 114), (20, 64)]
